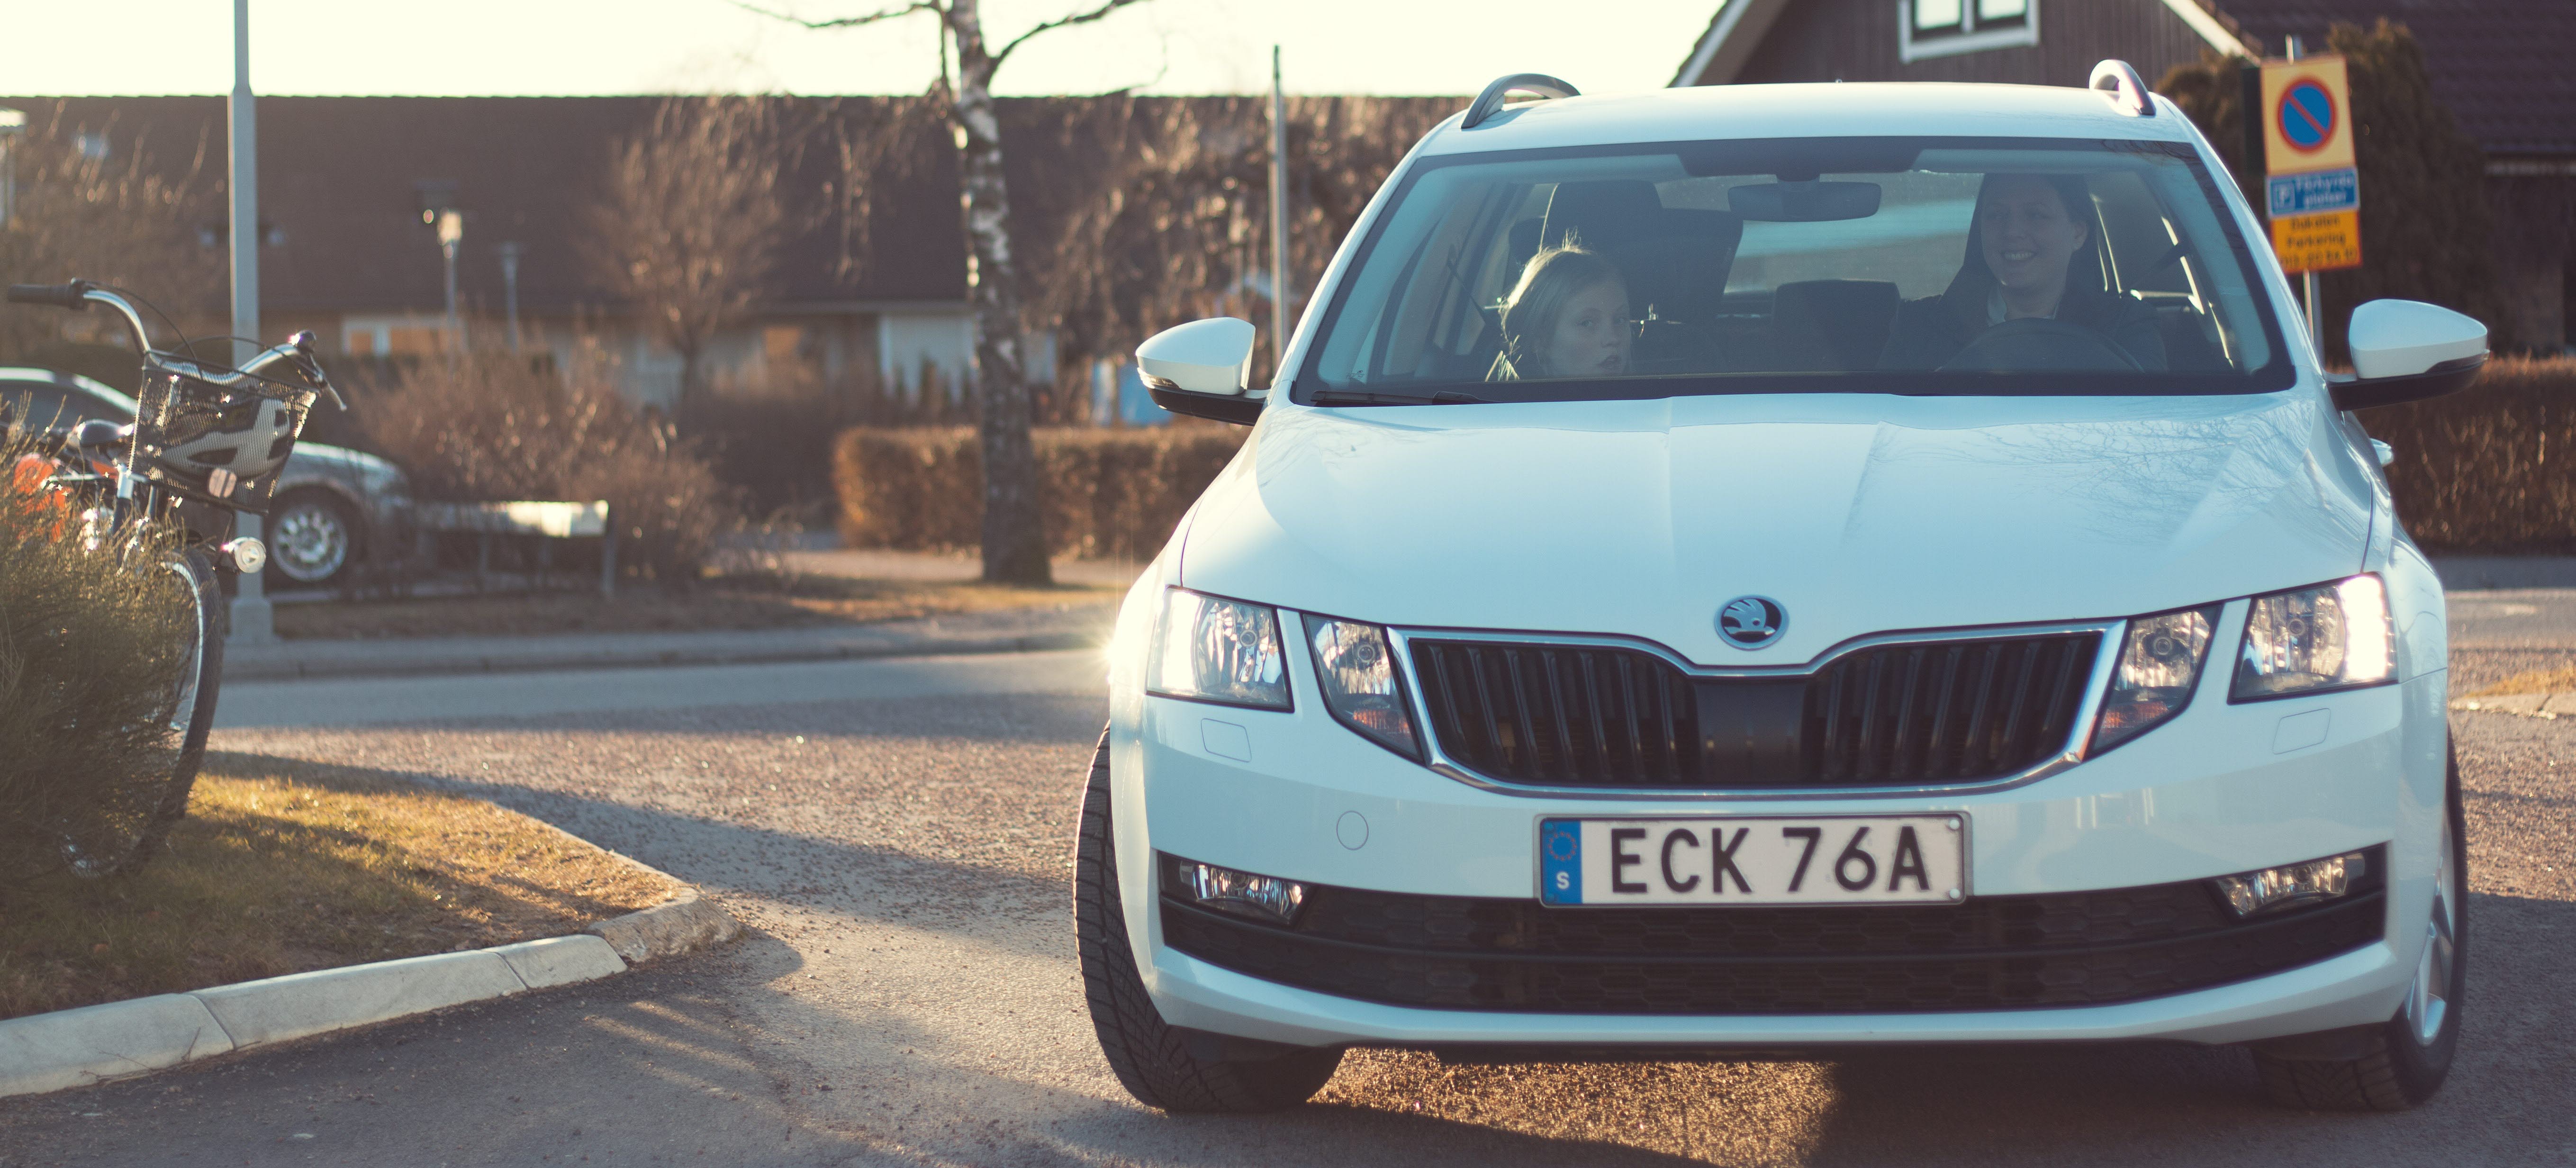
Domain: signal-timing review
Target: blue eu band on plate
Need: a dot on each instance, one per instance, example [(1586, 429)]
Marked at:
[(1749, 860)]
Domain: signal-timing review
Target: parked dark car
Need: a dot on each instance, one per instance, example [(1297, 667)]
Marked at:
[(332, 503)]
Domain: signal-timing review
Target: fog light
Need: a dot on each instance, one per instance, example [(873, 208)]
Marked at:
[(2271, 888), (1263, 898)]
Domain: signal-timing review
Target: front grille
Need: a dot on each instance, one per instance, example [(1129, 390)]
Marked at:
[(1947, 712), (1987, 953), (1937, 712)]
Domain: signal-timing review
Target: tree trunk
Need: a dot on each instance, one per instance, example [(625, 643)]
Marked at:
[(1014, 535), (686, 412)]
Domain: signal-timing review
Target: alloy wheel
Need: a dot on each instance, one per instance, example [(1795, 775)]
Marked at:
[(2428, 1000), (310, 542)]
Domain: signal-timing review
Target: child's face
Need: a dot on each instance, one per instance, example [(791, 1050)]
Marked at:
[(1592, 336)]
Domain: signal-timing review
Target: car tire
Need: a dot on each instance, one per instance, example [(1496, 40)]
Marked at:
[(2404, 1060), (313, 540), (1152, 1058)]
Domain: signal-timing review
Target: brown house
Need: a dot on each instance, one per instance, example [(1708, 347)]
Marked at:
[(343, 182), (2499, 65)]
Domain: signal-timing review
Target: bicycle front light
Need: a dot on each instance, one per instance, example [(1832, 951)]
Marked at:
[(1211, 649), (2312, 640)]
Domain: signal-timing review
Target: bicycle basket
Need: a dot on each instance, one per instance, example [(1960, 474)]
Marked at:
[(217, 444)]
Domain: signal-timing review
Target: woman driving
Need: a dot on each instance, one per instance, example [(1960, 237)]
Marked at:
[(2030, 257), (1568, 317)]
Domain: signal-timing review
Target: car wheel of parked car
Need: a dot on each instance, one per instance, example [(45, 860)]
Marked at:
[(1153, 1059), (312, 539), (2404, 1060)]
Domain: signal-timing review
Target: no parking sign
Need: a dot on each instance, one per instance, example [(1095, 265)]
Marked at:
[(2313, 192)]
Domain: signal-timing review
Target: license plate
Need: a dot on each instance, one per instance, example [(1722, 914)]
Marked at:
[(1843, 859)]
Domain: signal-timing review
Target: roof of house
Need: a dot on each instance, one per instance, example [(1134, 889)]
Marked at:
[(2500, 65), (340, 178)]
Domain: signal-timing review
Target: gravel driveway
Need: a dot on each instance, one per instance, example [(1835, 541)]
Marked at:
[(897, 842)]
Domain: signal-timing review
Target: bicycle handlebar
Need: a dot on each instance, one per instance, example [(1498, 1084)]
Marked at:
[(74, 295), (297, 352)]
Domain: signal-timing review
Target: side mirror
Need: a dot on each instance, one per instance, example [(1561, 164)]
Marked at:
[(1199, 369), (2406, 350)]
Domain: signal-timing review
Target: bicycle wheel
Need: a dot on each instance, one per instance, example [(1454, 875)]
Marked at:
[(139, 814), (192, 699)]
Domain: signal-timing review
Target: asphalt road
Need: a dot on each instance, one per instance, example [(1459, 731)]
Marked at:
[(896, 835)]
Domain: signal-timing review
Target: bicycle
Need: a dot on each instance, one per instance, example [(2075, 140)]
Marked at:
[(162, 494)]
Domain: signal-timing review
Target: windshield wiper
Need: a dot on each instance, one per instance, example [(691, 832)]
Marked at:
[(1364, 397)]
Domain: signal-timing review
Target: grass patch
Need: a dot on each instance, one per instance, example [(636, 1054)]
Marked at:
[(731, 602), (2538, 681), (283, 866)]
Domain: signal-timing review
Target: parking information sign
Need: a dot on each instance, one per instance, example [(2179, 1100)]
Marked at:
[(2313, 192)]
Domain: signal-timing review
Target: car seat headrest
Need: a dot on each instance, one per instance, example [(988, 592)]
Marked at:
[(1602, 213)]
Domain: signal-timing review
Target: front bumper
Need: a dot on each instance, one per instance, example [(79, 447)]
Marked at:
[(2219, 790)]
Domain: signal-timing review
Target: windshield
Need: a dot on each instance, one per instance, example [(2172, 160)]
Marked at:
[(1878, 265)]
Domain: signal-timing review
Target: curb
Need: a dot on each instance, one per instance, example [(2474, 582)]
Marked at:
[(2550, 705), (115, 1040), (250, 666)]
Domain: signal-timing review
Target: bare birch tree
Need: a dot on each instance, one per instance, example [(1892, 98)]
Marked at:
[(1014, 536), (690, 224)]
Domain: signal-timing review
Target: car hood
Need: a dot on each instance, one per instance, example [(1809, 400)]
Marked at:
[(1858, 514)]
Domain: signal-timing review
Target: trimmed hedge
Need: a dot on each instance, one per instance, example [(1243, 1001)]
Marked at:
[(2491, 469), (1112, 494)]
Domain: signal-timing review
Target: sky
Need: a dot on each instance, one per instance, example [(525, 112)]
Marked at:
[(580, 47)]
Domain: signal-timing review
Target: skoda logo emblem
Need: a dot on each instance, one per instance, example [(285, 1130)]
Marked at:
[(1750, 622)]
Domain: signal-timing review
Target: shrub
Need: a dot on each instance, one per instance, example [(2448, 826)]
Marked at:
[(490, 426), (1108, 493), (87, 652), (2473, 470)]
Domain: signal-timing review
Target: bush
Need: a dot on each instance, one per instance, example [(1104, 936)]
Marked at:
[(1108, 493), (491, 427), (87, 652), (2473, 471)]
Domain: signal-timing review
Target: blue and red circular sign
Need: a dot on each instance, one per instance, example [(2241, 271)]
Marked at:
[(2306, 116)]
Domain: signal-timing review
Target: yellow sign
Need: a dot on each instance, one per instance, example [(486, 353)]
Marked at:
[(2307, 115), (2318, 243)]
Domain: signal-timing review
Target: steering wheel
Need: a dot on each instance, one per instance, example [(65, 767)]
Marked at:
[(2033, 344)]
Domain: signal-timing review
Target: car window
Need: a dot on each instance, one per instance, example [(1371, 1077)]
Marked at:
[(1911, 265)]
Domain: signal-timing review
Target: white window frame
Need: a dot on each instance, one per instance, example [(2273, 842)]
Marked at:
[(1969, 39)]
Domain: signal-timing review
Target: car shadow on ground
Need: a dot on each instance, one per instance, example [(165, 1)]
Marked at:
[(887, 883)]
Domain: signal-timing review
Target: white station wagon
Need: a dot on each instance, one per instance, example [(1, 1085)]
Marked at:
[(1777, 568)]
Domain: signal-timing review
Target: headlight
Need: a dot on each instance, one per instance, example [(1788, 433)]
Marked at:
[(1211, 649), (2332, 636), (1356, 669), (2159, 666)]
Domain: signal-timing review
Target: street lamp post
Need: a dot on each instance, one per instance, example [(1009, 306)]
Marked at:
[(12, 123), (451, 235), (1278, 215), (252, 623), (509, 287)]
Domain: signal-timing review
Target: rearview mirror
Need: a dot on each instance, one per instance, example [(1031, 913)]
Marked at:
[(1804, 202), (1199, 369), (2406, 350)]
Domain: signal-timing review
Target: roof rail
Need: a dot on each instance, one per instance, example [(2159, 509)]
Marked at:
[(2127, 91), (1490, 102)]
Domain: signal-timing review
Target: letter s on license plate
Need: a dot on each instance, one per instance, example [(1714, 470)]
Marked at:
[(1854, 859)]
